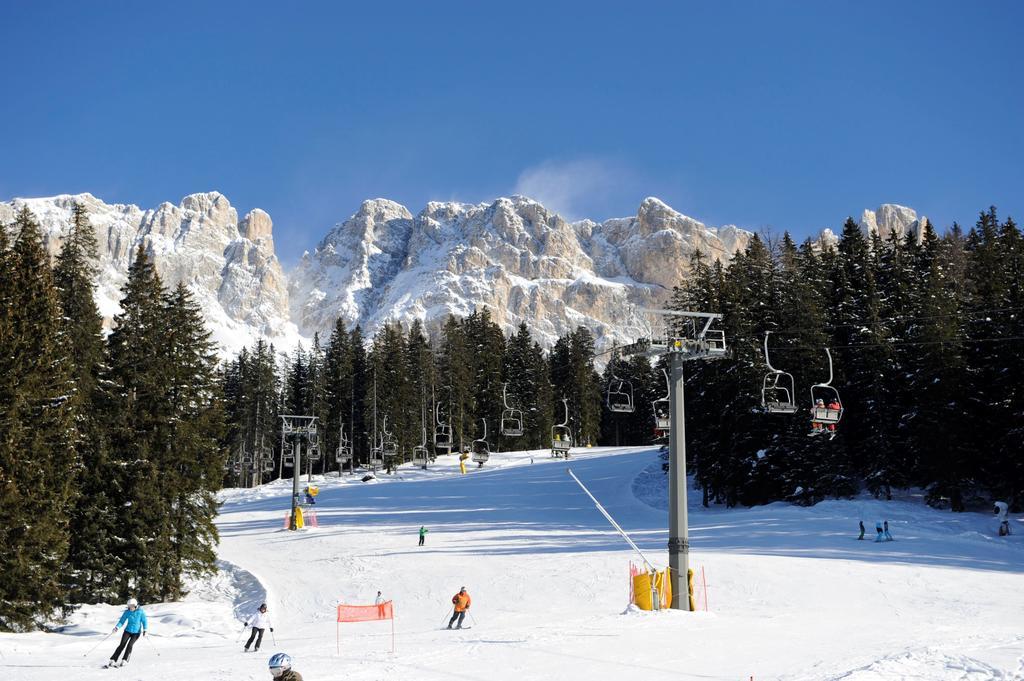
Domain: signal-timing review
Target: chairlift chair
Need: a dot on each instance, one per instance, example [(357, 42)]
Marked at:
[(376, 460), (442, 432), (388, 442), (620, 396), (561, 435), (420, 455), (828, 395), (511, 419), (778, 388), (236, 467), (662, 408), (268, 465), (344, 452), (481, 451)]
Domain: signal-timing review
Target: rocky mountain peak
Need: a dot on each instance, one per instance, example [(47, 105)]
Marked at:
[(890, 218)]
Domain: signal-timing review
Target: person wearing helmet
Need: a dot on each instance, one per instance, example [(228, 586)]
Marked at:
[(260, 621), (817, 426), (281, 668), (460, 602), (134, 620)]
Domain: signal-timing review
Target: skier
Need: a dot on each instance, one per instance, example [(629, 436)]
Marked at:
[(461, 602), (135, 625), (281, 668), (379, 599), (861, 529), (878, 529), (885, 525), (260, 622), (833, 406), (816, 426), (1000, 509), (423, 534)]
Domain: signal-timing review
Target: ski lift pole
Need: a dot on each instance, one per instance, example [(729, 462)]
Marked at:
[(609, 518), (678, 528)]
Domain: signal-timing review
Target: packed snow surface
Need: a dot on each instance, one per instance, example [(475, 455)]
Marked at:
[(792, 594)]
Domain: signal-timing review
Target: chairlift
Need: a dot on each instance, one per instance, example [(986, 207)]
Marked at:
[(778, 388), (662, 408), (481, 452), (237, 467), (442, 432), (313, 453), (388, 442), (376, 460), (420, 455), (343, 454), (268, 465), (620, 396), (511, 419), (828, 395), (561, 435)]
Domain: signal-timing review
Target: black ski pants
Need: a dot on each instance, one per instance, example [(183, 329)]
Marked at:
[(457, 616), (421, 539), (126, 640), (256, 634)]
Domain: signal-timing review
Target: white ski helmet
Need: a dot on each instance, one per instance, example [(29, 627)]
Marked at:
[(132, 603), (279, 663)]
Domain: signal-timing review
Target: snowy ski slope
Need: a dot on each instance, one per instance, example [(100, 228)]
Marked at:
[(792, 594)]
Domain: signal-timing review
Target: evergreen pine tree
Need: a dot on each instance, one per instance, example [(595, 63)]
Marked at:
[(93, 521), (37, 460)]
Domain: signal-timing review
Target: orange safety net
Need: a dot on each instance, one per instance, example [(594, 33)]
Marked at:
[(366, 613)]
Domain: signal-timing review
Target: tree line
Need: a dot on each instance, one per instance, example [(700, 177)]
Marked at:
[(404, 383), (110, 446), (926, 339)]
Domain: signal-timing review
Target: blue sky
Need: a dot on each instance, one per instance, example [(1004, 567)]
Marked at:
[(788, 115)]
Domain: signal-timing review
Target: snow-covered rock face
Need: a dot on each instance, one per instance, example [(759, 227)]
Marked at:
[(511, 256), (891, 218), (228, 264)]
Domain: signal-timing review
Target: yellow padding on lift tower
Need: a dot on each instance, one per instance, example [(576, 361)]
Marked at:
[(642, 590)]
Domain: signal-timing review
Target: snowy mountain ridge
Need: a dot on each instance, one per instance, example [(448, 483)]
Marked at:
[(511, 256)]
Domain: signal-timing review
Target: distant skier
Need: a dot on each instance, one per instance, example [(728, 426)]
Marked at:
[(281, 668), (260, 622), (135, 625), (460, 602), (379, 599), (861, 523), (878, 529), (885, 525), (423, 534), (1001, 511)]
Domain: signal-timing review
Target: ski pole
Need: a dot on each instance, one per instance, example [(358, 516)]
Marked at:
[(155, 650), (446, 616), (472, 617), (93, 649), (238, 639), (270, 625)]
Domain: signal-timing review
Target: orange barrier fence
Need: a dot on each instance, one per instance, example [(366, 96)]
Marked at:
[(366, 613)]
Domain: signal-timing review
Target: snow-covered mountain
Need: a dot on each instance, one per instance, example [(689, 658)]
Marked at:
[(511, 256), (229, 264)]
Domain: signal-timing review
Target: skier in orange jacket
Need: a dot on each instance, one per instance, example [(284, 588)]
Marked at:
[(460, 602)]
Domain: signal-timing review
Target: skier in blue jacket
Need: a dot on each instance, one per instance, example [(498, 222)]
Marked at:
[(135, 625)]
